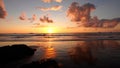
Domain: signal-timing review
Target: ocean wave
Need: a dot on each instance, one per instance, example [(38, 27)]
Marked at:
[(60, 37)]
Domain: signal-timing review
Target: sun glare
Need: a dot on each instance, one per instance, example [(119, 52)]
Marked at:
[(50, 30)]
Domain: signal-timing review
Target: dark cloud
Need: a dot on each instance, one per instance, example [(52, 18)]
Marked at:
[(46, 19), (81, 16), (3, 12)]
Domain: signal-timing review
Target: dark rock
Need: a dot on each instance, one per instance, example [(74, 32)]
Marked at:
[(14, 52), (49, 63)]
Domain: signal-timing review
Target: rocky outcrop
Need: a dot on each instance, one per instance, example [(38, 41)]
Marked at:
[(15, 52), (45, 63)]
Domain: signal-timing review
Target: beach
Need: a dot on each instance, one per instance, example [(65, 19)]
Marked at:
[(69, 50)]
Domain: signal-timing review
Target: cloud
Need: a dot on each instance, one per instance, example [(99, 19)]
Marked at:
[(38, 25), (81, 16), (46, 19), (53, 8), (58, 1), (33, 18), (3, 12), (76, 12), (49, 1), (23, 16), (109, 23)]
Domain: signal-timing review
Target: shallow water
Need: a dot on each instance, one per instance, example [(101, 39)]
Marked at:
[(87, 52)]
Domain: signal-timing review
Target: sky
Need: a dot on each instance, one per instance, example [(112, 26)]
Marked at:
[(39, 16)]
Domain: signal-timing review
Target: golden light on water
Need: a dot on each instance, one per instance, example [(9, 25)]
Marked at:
[(50, 52)]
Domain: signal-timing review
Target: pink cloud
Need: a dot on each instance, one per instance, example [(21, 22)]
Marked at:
[(47, 1), (3, 12), (23, 16), (80, 14), (33, 18), (77, 13), (108, 23)]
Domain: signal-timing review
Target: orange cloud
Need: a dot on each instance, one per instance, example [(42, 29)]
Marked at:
[(53, 8), (38, 25), (3, 12), (58, 1), (48, 1)]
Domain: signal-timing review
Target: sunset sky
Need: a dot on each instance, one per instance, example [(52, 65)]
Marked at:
[(42, 16)]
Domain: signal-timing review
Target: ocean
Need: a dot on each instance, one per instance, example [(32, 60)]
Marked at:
[(70, 50)]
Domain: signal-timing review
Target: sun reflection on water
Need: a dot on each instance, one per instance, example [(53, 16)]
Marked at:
[(49, 51)]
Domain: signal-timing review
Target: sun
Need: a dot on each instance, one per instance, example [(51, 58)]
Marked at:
[(50, 30)]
